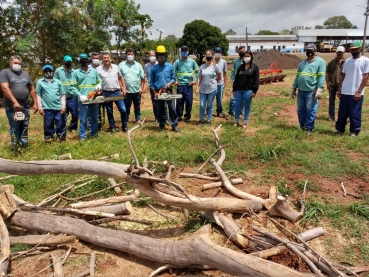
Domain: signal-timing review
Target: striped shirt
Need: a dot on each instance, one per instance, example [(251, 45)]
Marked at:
[(310, 75), (64, 76), (186, 71)]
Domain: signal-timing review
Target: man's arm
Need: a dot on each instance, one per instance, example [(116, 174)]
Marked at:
[(73, 85), (327, 74), (197, 72), (357, 95), (122, 85), (32, 92), (142, 76), (8, 93)]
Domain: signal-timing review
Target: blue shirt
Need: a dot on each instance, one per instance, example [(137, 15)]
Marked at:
[(148, 68), (161, 75)]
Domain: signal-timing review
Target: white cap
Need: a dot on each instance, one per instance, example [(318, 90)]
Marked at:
[(340, 49)]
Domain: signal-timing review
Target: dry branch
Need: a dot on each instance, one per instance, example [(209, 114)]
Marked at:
[(57, 265), (170, 266), (43, 240), (5, 248), (207, 161), (67, 156), (105, 158), (217, 143), (119, 209), (120, 217), (235, 181), (114, 185), (92, 264), (282, 209), (198, 176), (66, 210)]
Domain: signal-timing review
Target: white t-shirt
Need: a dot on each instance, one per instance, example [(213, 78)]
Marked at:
[(109, 77), (354, 70)]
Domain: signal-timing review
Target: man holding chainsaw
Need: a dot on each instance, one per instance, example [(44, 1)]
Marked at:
[(113, 85), (161, 80), (17, 87), (85, 80)]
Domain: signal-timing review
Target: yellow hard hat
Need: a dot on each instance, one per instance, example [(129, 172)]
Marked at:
[(161, 49)]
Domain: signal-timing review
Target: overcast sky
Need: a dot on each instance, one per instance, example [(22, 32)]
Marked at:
[(170, 17)]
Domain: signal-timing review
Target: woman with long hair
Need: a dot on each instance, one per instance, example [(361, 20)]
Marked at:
[(245, 87)]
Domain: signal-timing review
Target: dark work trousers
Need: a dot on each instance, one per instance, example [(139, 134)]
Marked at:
[(154, 108), (109, 109), (101, 118), (186, 100), (71, 108), (160, 105), (349, 108), (332, 102), (136, 99), (54, 125)]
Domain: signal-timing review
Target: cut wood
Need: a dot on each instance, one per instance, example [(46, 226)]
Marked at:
[(198, 176), (311, 234), (105, 158), (57, 265), (119, 209), (67, 156), (7, 203), (92, 264), (5, 248), (121, 217), (7, 187), (273, 192), (66, 210), (282, 209), (197, 249), (170, 266), (235, 181), (43, 240), (115, 185)]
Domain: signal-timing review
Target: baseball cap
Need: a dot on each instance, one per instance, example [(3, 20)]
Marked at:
[(68, 58), (218, 49), (47, 67), (184, 48), (340, 49), (83, 56), (311, 47), (355, 44)]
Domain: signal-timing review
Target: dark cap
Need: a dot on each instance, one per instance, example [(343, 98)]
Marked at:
[(184, 48), (47, 67), (311, 47), (218, 49)]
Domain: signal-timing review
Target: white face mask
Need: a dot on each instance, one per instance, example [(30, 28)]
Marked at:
[(217, 55), (130, 58), (247, 59), (152, 59), (16, 67), (95, 61)]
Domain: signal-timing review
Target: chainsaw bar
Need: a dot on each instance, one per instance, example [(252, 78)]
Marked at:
[(168, 96), (102, 99)]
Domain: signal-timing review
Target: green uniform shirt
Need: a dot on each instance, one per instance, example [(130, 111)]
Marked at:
[(133, 74), (50, 93), (334, 71), (186, 71), (236, 65), (310, 75), (65, 77), (83, 82)]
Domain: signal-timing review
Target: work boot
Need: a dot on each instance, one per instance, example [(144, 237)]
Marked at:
[(161, 127), (175, 129)]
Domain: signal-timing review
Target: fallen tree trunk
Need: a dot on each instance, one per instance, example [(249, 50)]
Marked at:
[(43, 240), (5, 248), (119, 209), (198, 249)]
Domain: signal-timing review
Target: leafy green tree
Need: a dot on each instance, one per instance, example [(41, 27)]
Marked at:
[(286, 32), (266, 32), (200, 36), (319, 27), (230, 32), (338, 22)]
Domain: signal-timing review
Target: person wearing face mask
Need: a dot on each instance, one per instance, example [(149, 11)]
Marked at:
[(355, 75), (245, 87), (17, 87), (134, 77), (95, 63), (209, 75), (95, 60), (332, 79), (84, 80), (186, 71), (309, 81), (236, 65), (222, 83), (64, 74), (51, 105)]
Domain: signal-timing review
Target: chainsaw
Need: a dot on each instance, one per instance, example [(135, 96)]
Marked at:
[(96, 97), (164, 95)]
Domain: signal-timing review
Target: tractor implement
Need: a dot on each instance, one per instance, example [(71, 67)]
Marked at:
[(271, 75)]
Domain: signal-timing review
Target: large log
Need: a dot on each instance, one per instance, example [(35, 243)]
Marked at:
[(5, 248), (118, 171), (43, 240), (197, 249)]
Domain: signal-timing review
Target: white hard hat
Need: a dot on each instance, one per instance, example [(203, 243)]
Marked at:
[(340, 49)]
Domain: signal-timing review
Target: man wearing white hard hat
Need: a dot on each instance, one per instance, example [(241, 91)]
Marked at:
[(332, 78)]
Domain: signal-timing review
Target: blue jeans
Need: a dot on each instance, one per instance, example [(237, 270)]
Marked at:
[(72, 108), (121, 108), (207, 100), (18, 129), (84, 111), (187, 99), (349, 108), (332, 101), (136, 99), (155, 109), (307, 106), (232, 101), (54, 124), (243, 102), (219, 98), (161, 107)]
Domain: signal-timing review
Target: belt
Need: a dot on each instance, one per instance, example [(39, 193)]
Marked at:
[(111, 90)]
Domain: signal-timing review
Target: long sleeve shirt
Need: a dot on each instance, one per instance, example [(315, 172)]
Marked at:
[(186, 71), (161, 75), (65, 77), (247, 79), (83, 82), (236, 65), (310, 75)]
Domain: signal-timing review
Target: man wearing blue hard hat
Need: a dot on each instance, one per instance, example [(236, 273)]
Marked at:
[(51, 105)]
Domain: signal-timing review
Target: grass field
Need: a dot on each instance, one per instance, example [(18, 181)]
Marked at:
[(272, 151)]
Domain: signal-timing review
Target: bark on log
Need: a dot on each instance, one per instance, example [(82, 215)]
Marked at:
[(57, 265), (92, 264), (118, 171), (282, 209), (43, 240), (5, 248), (114, 184), (198, 249), (311, 234), (120, 209), (66, 210), (235, 181), (198, 176)]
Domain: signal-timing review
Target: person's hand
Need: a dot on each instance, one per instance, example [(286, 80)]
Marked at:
[(83, 98), (192, 83), (168, 85), (140, 92), (234, 93), (357, 96), (338, 94), (293, 93), (98, 87), (42, 112), (318, 93), (224, 84), (177, 83), (62, 111), (328, 87), (253, 95), (35, 108), (197, 91)]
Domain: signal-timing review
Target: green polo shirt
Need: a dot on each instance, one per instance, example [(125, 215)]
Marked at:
[(83, 82), (236, 65), (310, 75), (50, 93), (65, 77), (133, 74), (186, 71)]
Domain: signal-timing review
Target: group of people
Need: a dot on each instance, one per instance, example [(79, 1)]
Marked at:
[(346, 80), (65, 91)]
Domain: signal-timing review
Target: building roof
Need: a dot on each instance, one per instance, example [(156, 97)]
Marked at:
[(263, 37), (350, 34)]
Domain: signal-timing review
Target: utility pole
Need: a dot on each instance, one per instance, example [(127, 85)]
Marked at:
[(366, 21)]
